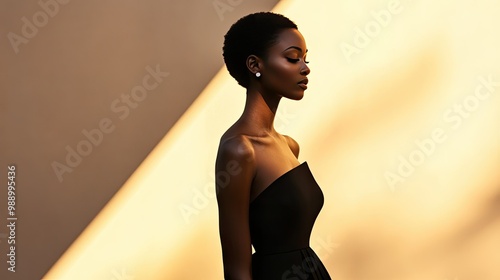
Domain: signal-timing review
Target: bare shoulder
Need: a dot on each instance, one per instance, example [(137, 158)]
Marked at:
[(237, 146), (294, 146), (235, 169), (235, 150)]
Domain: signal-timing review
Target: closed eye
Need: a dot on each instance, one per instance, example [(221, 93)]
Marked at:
[(295, 60)]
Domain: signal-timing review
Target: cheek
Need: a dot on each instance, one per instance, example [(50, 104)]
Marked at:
[(281, 71)]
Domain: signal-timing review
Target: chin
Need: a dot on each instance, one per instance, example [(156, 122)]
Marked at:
[(298, 95)]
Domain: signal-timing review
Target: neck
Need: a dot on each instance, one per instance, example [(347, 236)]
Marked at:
[(260, 110)]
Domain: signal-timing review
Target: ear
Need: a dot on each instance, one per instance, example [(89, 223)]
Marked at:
[(254, 64)]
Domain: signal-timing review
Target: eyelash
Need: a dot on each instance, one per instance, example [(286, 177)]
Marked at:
[(295, 60)]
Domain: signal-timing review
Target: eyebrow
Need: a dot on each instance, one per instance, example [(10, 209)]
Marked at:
[(295, 47)]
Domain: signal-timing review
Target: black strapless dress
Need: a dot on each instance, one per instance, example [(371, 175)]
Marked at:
[(281, 220)]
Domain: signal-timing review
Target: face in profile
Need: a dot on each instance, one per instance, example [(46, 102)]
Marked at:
[(285, 69)]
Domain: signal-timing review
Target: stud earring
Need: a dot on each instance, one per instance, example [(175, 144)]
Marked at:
[(257, 74)]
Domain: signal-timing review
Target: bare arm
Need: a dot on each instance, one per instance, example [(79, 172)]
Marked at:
[(234, 171)]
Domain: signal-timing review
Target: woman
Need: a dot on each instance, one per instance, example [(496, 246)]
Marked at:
[(265, 197)]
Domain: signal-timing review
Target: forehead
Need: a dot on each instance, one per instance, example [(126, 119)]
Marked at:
[(287, 38)]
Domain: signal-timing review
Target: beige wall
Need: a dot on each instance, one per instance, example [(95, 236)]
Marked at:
[(411, 183), (66, 78)]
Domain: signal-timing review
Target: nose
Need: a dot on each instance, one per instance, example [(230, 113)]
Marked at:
[(305, 70)]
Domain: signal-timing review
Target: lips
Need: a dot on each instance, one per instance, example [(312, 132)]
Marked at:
[(303, 83)]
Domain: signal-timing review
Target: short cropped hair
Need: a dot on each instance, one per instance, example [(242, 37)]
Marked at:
[(251, 35)]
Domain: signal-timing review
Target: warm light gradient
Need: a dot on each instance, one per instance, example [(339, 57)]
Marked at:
[(399, 90)]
